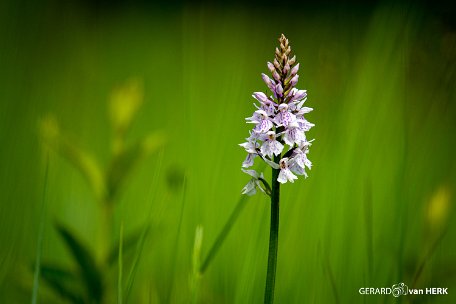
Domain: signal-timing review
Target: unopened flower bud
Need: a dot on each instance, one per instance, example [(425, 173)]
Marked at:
[(292, 60), (286, 69), (268, 81), (294, 80), (295, 69), (260, 96), (278, 53), (271, 67), (299, 94), (279, 90), (276, 64), (288, 51), (276, 75)]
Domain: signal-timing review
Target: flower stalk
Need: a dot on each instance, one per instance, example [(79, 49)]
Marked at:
[(278, 138), (273, 237)]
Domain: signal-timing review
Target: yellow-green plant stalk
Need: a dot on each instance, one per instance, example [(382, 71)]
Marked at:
[(278, 138), (106, 184)]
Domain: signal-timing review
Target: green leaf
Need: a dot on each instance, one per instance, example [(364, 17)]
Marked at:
[(82, 160), (89, 270), (63, 282), (124, 103), (87, 165)]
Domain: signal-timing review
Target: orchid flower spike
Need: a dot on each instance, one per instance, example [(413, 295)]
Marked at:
[(278, 136)]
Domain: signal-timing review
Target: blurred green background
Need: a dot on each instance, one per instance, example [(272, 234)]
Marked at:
[(376, 210)]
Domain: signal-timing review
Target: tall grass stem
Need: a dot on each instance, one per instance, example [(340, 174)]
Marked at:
[(36, 276), (120, 262)]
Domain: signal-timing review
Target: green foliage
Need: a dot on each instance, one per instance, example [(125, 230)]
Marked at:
[(88, 268), (124, 103), (83, 161), (64, 282)]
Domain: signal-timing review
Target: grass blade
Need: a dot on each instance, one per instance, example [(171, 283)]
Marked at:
[(36, 275), (196, 260), (224, 233), (134, 266), (120, 262), (128, 243)]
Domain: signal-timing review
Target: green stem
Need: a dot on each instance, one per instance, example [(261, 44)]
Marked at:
[(273, 236), (224, 233)]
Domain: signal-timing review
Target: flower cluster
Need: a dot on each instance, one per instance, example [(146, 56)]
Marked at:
[(279, 123)]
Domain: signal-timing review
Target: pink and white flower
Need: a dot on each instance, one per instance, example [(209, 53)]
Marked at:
[(285, 174), (279, 134), (271, 146)]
